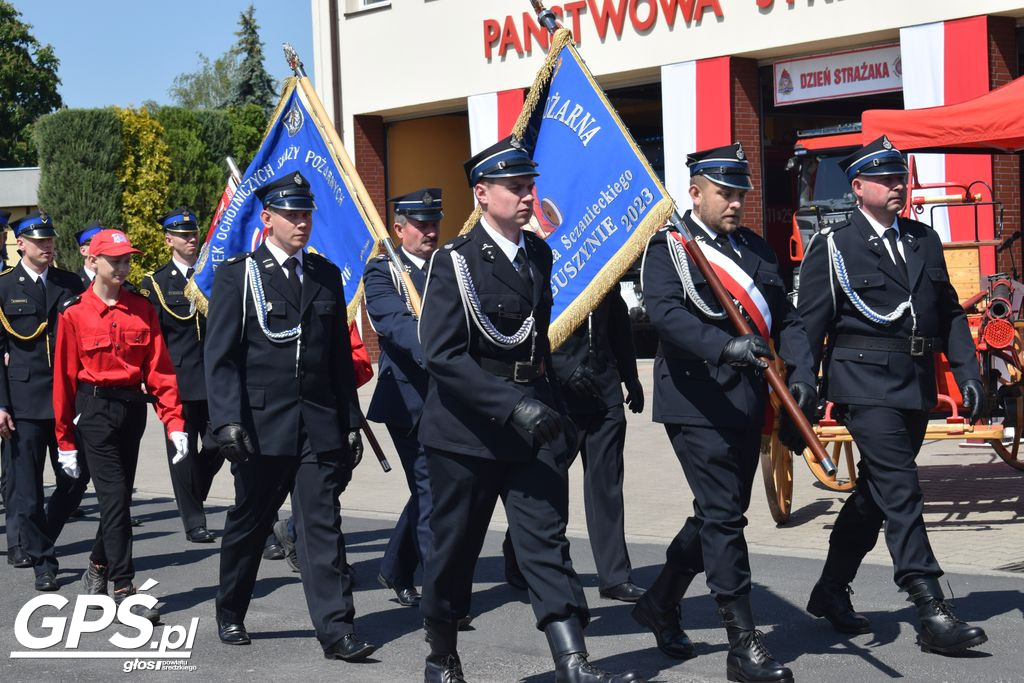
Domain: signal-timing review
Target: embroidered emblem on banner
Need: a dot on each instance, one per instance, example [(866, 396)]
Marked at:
[(293, 120)]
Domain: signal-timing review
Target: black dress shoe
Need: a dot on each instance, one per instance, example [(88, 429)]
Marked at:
[(77, 513), (350, 648), (274, 551), (148, 613), (232, 633), (18, 558), (407, 596), (46, 582), (626, 591), (832, 601), (465, 623), (199, 535)]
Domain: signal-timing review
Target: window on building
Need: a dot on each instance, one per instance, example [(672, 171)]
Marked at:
[(360, 5)]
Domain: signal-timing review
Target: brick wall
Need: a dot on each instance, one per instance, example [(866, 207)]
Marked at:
[(746, 129), (370, 152), (1006, 168)]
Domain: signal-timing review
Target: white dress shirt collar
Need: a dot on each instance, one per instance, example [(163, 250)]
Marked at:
[(507, 247), (416, 260), (281, 256)]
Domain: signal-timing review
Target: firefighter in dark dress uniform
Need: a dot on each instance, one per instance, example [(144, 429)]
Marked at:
[(877, 287), (494, 424), (83, 237), (285, 412), (402, 379), (710, 395), (184, 329), (30, 295)]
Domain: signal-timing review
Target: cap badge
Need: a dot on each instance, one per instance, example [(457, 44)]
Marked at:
[(44, 217), (118, 238), (297, 179), (427, 199), (739, 153), (885, 143), (515, 143)]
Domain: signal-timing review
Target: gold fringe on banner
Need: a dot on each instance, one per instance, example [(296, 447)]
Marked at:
[(560, 39)]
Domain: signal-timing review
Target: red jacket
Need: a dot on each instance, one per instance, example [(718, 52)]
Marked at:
[(111, 346)]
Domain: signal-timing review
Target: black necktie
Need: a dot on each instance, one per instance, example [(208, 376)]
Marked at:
[(523, 268), (897, 257), (189, 273), (726, 246), (291, 264)]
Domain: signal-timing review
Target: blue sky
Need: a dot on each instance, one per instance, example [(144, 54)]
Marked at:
[(125, 52)]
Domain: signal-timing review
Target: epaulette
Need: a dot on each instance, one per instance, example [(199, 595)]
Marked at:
[(458, 242), (70, 302), (6, 270), (382, 257), (833, 227), (238, 257)]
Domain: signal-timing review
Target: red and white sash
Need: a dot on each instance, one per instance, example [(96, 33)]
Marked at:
[(739, 285)]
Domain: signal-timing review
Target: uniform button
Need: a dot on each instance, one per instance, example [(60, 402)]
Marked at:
[(113, 324), (860, 355), (117, 347), (493, 420)]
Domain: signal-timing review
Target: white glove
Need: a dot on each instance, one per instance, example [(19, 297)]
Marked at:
[(69, 463), (180, 441)]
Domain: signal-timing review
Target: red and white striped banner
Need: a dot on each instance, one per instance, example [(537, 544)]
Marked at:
[(492, 116)]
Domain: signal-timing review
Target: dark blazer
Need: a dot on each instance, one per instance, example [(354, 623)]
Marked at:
[(260, 383), (86, 281), (184, 337), (467, 407), (871, 377), (402, 377), (691, 385), (26, 379), (604, 342)]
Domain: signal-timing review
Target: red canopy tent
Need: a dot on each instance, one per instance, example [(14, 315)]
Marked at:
[(991, 123)]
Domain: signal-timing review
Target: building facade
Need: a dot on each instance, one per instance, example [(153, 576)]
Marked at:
[(419, 85)]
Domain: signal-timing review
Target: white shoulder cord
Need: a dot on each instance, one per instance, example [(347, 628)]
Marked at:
[(254, 281), (471, 305), (399, 282), (678, 255), (837, 269)]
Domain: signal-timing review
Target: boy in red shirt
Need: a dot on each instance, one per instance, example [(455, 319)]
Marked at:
[(108, 346)]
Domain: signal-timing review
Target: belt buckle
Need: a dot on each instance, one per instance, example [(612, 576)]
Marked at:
[(529, 372), (916, 346)]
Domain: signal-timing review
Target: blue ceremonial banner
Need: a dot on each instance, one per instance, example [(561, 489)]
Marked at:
[(597, 199), (296, 140)]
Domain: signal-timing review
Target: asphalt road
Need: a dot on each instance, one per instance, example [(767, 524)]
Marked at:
[(504, 645)]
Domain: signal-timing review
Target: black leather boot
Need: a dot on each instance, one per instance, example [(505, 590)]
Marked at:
[(568, 649), (831, 600), (658, 610), (94, 580), (443, 663), (749, 659), (940, 630)]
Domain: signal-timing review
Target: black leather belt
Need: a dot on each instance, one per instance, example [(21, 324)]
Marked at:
[(122, 393), (915, 346), (518, 371)]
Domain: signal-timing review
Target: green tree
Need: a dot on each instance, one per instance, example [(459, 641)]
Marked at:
[(28, 87), (253, 85), (248, 126), (80, 151), (209, 87)]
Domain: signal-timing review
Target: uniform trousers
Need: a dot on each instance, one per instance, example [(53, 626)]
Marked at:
[(29, 524), (191, 479), (315, 482), (887, 490), (536, 497), (109, 432), (412, 537), (719, 465)]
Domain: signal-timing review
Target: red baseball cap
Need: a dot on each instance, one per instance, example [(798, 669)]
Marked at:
[(111, 243)]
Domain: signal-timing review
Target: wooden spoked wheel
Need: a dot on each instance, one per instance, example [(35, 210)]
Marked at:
[(1011, 455), (842, 452), (777, 472)]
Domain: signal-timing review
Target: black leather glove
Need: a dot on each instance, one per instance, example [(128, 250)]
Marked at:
[(235, 444), (749, 349), (807, 399), (973, 398), (583, 382), (355, 448), (536, 422), (634, 395)]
